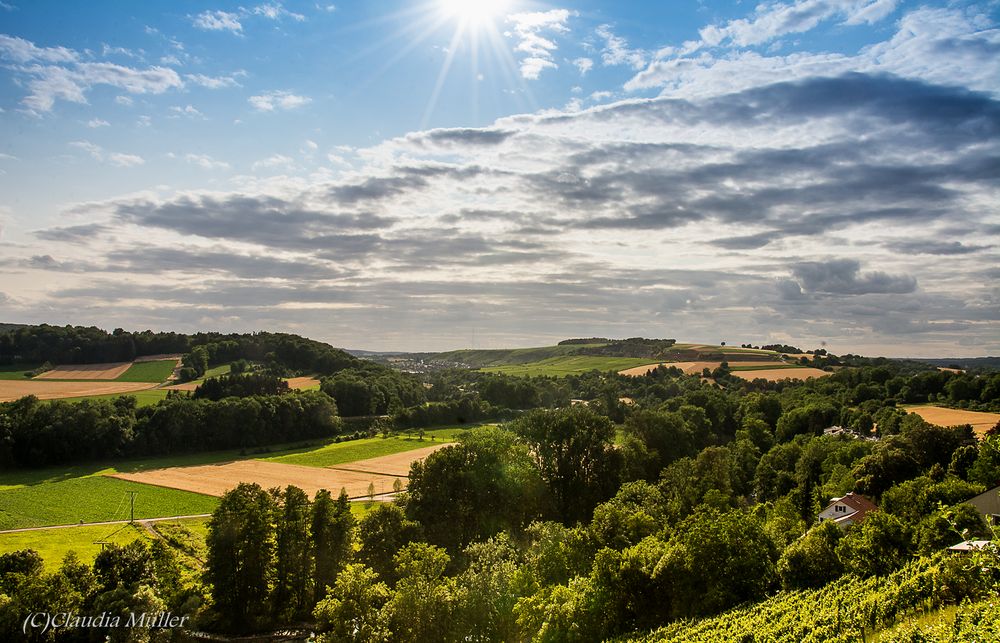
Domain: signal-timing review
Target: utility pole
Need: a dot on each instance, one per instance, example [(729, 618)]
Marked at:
[(132, 506)]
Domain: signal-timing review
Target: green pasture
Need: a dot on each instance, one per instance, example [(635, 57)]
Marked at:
[(353, 450), (152, 372), (54, 544), (15, 372), (94, 499), (569, 365), (148, 397), (67, 495)]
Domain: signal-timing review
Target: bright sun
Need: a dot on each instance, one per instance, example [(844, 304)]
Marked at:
[(474, 12)]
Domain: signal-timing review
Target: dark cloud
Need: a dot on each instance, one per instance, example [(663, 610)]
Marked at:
[(376, 189), (746, 242), (268, 221), (844, 277), (931, 247), (466, 136), (152, 260), (73, 234)]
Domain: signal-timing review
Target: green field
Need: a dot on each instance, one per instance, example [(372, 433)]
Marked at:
[(54, 544), (344, 452), (94, 499), (14, 372), (142, 398), (507, 356), (569, 365), (152, 372)]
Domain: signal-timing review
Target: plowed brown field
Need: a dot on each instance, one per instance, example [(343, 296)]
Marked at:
[(216, 479), (86, 372), (775, 374), (15, 389)]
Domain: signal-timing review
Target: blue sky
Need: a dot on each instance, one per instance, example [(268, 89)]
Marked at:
[(429, 175)]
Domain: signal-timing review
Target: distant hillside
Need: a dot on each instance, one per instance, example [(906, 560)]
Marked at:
[(964, 363), (635, 347)]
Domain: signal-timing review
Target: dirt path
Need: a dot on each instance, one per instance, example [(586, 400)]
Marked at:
[(143, 522)]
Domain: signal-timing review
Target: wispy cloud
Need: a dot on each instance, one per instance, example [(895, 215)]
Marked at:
[(98, 153), (206, 162), (538, 48), (97, 122), (617, 52), (212, 82), (218, 21), (277, 100), (58, 73)]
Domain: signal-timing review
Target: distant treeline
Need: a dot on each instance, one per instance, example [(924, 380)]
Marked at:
[(631, 347), (34, 433), (89, 345)]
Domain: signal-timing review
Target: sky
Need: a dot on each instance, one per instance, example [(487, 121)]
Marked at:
[(440, 174)]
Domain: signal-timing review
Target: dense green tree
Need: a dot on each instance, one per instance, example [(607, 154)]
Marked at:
[(470, 491), (717, 560), (332, 532), (949, 526), (490, 587), (637, 510), (240, 561), (293, 574), (879, 545), (426, 603), (812, 560), (351, 611), (574, 452), (382, 532)]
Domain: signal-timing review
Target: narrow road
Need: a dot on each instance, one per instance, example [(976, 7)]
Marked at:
[(143, 521)]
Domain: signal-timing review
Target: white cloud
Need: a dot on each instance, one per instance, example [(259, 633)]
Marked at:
[(206, 162), (933, 45), (124, 100), (188, 110), (22, 51), (6, 6), (97, 122), (212, 82), (57, 73), (277, 161), (584, 65), (274, 11), (617, 52), (218, 21), (144, 121), (537, 48), (170, 60), (275, 100), (117, 159), (775, 19), (329, 8)]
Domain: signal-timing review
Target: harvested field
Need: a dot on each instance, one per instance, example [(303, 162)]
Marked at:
[(775, 374), (981, 422), (694, 368), (13, 389), (302, 383), (216, 479), (86, 372)]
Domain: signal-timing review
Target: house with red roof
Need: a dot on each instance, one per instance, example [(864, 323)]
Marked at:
[(848, 510)]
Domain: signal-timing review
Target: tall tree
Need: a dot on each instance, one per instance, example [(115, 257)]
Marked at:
[(575, 456), (294, 561), (332, 537), (240, 562)]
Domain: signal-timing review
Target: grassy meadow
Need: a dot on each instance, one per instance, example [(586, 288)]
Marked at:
[(94, 499), (152, 372)]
